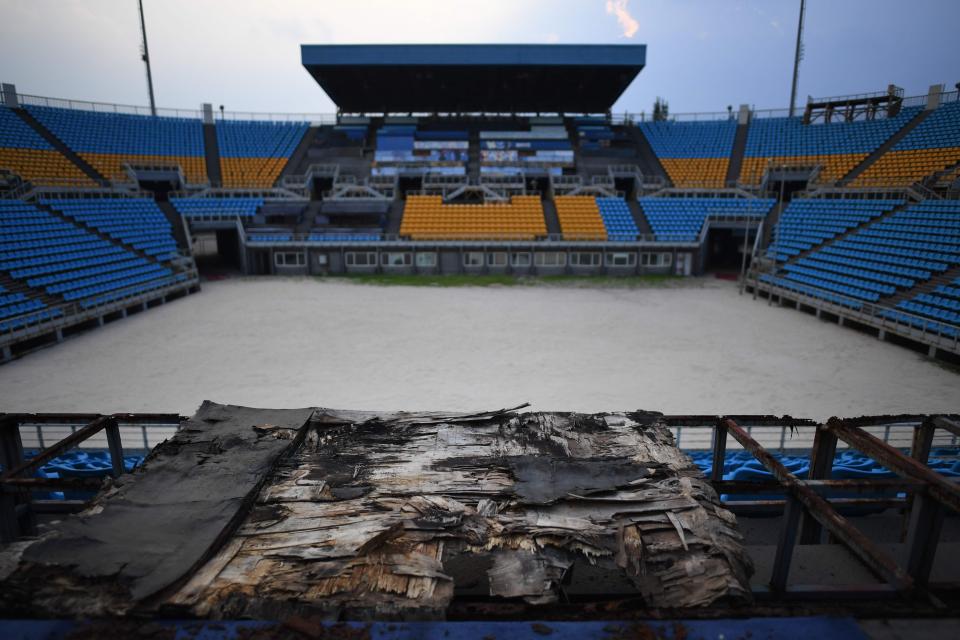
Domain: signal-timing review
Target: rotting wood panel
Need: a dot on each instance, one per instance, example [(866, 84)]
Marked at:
[(393, 515)]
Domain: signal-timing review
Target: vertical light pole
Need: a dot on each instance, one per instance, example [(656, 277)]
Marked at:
[(146, 59), (797, 56)]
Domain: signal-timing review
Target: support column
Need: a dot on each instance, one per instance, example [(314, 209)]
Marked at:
[(932, 351), (7, 354), (99, 321), (59, 334), (881, 335)]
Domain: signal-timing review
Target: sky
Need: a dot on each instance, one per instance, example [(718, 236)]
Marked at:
[(702, 55)]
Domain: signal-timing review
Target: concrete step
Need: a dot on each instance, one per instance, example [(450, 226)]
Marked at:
[(736, 155), (550, 216), (639, 218), (211, 148), (59, 145), (883, 148)]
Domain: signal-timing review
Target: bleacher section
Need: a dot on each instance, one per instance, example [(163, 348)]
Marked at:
[(580, 218), (542, 148), (617, 219), (428, 218), (893, 254), (136, 222), (681, 219), (836, 146), (24, 152), (932, 146), (216, 208), (108, 140), (252, 154), (942, 305), (694, 154), (807, 222), (54, 257), (404, 148)]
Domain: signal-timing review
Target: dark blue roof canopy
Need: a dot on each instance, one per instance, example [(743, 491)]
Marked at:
[(474, 78)]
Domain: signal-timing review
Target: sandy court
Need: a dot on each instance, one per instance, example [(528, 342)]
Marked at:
[(280, 342)]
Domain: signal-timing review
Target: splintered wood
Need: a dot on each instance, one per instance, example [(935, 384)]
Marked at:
[(395, 514)]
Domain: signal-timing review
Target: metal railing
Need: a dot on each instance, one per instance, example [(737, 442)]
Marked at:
[(910, 325), (17, 328)]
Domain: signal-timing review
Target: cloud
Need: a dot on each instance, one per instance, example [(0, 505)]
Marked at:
[(553, 38), (627, 22)]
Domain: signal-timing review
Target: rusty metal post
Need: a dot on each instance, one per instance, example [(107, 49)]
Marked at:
[(116, 447), (821, 466), (785, 544), (719, 451), (938, 487), (926, 519), (919, 451), (860, 545)]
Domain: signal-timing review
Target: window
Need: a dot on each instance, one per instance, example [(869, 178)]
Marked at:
[(650, 259), (428, 259), (550, 259), (473, 259), (497, 259), (585, 259), (666, 259), (396, 259), (321, 259), (361, 258), (621, 259), (520, 259), (289, 259)]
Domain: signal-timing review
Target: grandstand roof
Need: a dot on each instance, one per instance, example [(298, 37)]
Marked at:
[(474, 78)]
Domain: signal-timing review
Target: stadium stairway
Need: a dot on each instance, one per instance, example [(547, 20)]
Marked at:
[(58, 144), (643, 225), (847, 233), (9, 285), (473, 155), (550, 216), (883, 148), (211, 149), (394, 217), (772, 218), (649, 162), (927, 286), (176, 222), (295, 165), (736, 154), (103, 236)]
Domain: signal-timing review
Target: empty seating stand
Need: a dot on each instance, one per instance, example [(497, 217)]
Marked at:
[(808, 222), (109, 140), (681, 219), (890, 255), (580, 218), (617, 219), (24, 152), (932, 146), (429, 218), (252, 154), (136, 222), (837, 147), (216, 208), (694, 154), (54, 257)]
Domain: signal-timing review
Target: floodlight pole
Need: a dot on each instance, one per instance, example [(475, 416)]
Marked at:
[(798, 54), (146, 59)]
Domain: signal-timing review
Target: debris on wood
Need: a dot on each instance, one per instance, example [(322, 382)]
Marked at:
[(364, 515)]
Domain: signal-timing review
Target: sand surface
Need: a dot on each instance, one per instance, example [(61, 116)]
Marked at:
[(698, 348)]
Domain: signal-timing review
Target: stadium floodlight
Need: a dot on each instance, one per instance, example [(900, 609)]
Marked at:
[(797, 57), (145, 56)]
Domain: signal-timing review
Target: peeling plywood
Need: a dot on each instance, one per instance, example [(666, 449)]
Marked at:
[(372, 515), (394, 515)]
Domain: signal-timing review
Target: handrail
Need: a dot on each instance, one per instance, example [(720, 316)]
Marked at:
[(69, 309), (873, 311)]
